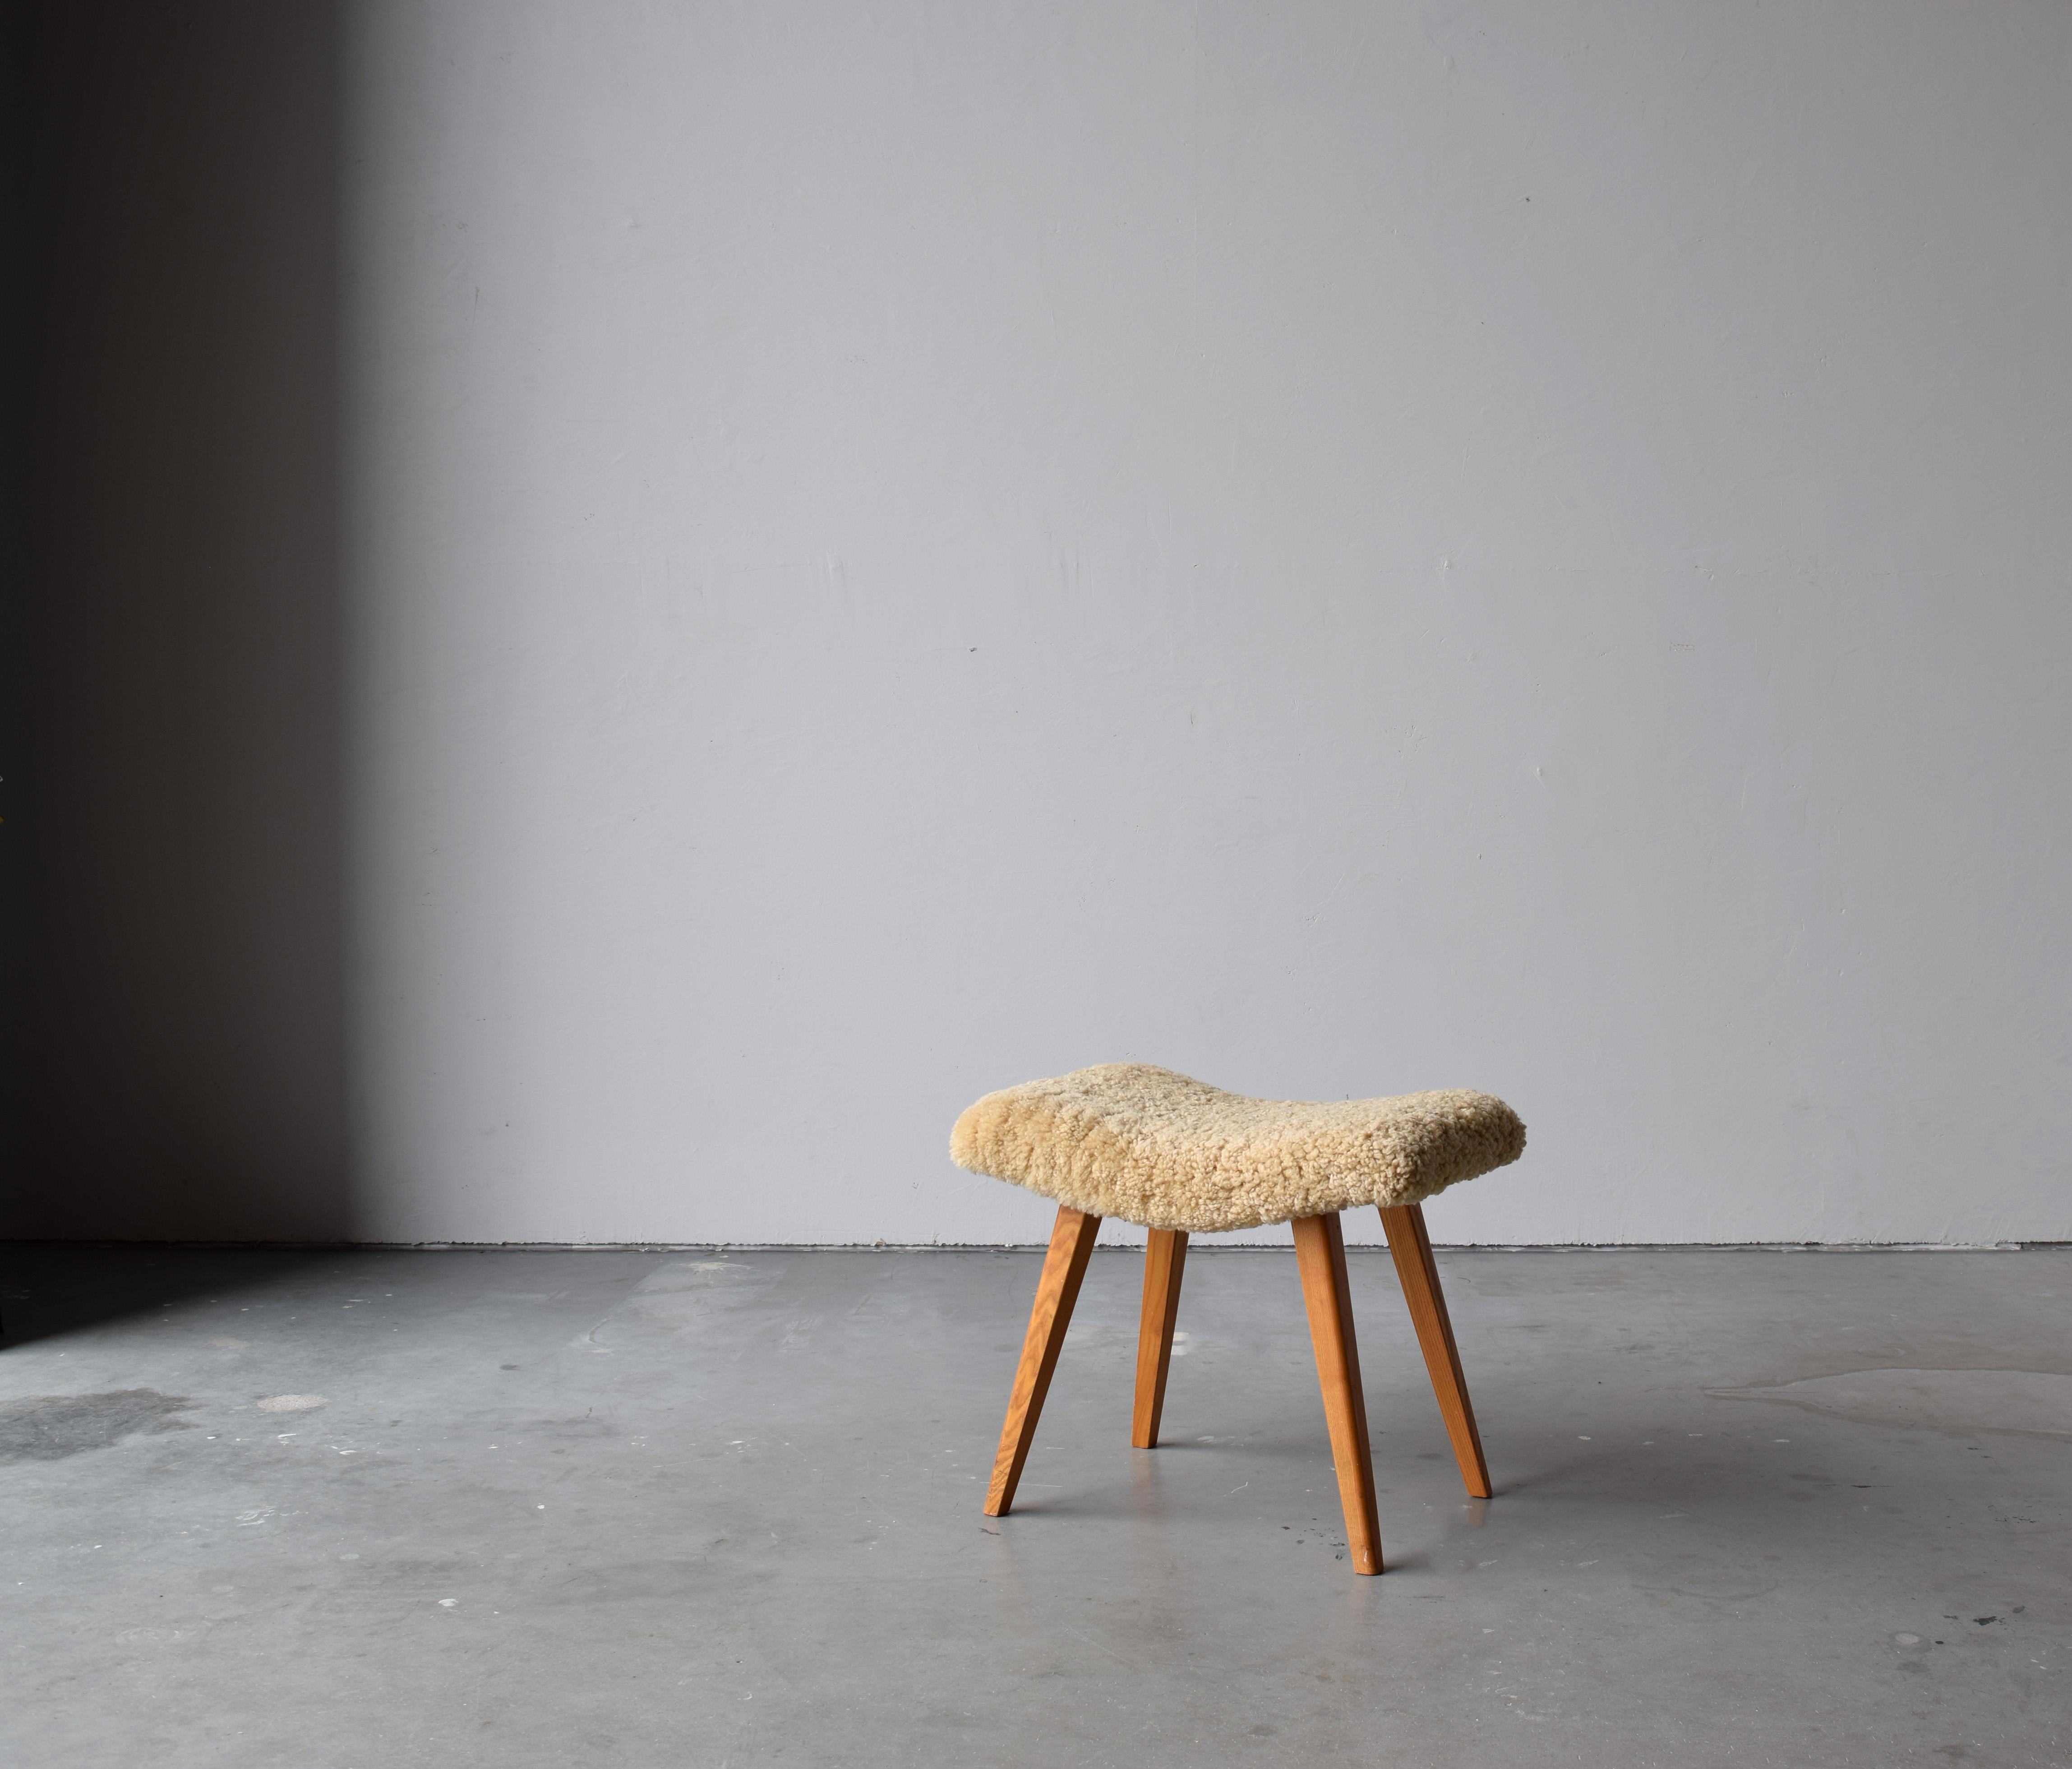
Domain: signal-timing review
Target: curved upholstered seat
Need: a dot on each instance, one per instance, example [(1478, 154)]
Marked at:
[(1144, 1144)]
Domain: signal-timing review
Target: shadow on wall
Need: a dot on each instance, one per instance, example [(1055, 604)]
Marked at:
[(176, 784)]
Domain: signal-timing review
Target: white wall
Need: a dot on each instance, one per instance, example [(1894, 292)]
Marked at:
[(1340, 548)]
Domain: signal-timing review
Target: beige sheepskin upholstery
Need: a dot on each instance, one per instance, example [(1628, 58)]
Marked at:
[(1150, 1147)]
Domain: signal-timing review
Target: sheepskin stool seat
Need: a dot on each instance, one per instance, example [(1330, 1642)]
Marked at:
[(1182, 1157)]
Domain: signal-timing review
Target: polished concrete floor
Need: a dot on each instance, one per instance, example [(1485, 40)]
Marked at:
[(357, 1509)]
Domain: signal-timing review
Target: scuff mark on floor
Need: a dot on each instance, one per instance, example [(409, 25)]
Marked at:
[(679, 1297), (2036, 1403)]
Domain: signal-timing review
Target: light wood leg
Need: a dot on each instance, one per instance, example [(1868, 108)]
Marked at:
[(1164, 1255), (1071, 1246), (1418, 1274), (1320, 1249)]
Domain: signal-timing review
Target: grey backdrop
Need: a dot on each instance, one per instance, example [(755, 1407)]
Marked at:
[(632, 603)]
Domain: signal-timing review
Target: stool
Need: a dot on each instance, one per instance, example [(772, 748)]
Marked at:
[(1182, 1157)]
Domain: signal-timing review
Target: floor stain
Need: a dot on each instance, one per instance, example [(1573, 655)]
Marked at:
[(50, 1427)]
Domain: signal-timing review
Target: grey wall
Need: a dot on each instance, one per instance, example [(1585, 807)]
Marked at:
[(887, 551)]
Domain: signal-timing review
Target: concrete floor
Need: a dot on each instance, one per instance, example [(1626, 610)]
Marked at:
[(629, 1508)]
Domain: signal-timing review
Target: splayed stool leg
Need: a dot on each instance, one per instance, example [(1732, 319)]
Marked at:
[(1418, 1272), (1320, 1250), (1072, 1246), (1164, 1254)]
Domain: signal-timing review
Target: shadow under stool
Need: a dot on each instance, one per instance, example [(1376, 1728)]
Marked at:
[(1156, 1148)]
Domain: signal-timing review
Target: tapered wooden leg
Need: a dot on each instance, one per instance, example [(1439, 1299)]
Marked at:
[(1164, 1255), (1418, 1272), (1071, 1246), (1320, 1249)]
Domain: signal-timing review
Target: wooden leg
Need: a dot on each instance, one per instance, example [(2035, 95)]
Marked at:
[(1164, 1255), (1418, 1274), (1320, 1249), (1071, 1246)]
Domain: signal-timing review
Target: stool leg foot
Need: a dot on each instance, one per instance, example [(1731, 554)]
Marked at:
[(1071, 1246), (1418, 1274), (1320, 1250), (1164, 1255)]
